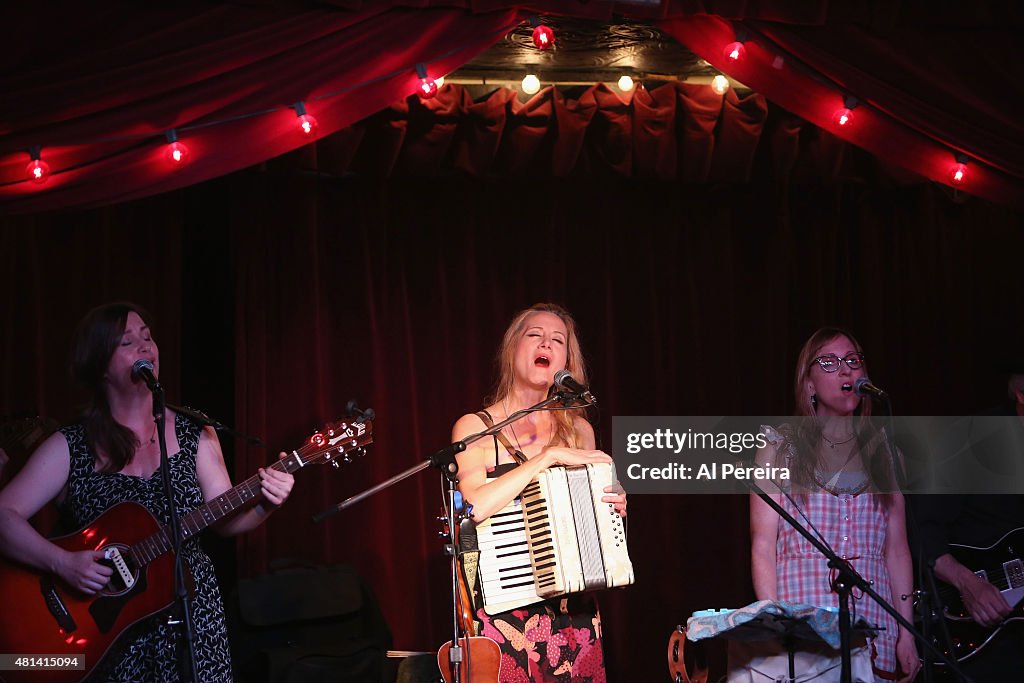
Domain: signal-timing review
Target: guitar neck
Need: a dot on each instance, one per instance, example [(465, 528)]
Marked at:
[(210, 512)]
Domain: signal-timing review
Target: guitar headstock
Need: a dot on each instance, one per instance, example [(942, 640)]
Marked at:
[(337, 441), (21, 436)]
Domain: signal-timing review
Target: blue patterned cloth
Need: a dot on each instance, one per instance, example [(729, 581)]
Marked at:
[(767, 619)]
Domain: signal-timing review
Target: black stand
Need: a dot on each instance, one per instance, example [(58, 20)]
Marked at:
[(207, 421), (929, 602), (181, 597), (444, 460), (846, 580)]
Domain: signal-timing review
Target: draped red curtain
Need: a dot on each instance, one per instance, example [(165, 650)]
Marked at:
[(919, 107), (97, 92), (222, 75), (697, 239), (292, 293), (688, 303), (679, 131)]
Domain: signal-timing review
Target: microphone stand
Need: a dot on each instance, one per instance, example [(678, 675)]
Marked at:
[(182, 600), (444, 460), (846, 580), (207, 421), (929, 601)]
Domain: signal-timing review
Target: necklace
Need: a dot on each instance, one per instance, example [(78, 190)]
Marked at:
[(832, 444), (504, 404)]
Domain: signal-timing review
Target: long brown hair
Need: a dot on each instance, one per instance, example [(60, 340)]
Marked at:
[(807, 435), (564, 434), (96, 339)]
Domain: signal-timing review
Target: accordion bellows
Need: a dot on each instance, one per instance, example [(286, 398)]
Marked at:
[(559, 537)]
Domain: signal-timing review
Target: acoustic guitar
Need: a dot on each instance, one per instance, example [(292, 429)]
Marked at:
[(481, 656), (44, 621)]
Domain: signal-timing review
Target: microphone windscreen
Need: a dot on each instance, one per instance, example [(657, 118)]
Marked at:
[(140, 365)]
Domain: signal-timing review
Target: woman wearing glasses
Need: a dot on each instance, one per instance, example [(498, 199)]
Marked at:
[(842, 481)]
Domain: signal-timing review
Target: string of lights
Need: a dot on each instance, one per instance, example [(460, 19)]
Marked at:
[(735, 56)]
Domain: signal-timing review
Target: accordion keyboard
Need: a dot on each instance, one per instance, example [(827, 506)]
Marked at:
[(558, 538)]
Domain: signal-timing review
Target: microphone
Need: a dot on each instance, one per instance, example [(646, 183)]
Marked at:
[(567, 382), (352, 409), (864, 387), (142, 369)]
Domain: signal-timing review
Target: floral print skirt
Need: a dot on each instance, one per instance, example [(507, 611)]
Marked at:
[(555, 641)]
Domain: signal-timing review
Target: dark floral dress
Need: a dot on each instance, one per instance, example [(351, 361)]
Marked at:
[(149, 650)]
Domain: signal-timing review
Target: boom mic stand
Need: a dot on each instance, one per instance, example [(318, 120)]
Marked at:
[(444, 460)]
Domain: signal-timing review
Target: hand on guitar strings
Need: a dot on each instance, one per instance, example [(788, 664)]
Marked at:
[(83, 570), (984, 602), (276, 485)]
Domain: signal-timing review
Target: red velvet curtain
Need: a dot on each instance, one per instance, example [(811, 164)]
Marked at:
[(97, 92), (688, 303), (292, 293), (920, 107), (281, 293), (679, 131), (99, 102)]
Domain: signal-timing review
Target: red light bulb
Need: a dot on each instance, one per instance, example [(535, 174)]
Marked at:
[(307, 124), (176, 153), (735, 51), (958, 174), (543, 37), (428, 88), (842, 117), (38, 171)]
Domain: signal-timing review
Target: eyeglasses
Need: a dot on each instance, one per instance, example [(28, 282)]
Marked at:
[(831, 362)]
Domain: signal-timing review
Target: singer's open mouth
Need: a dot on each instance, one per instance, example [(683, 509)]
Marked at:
[(542, 361), (847, 387)]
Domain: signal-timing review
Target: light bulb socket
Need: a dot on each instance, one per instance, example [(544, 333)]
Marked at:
[(962, 158), (300, 108), (421, 70), (850, 102), (171, 135), (35, 152)]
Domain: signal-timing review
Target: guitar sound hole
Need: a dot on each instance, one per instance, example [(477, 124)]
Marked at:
[(117, 584)]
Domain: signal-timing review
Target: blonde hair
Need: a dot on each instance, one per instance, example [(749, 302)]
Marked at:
[(805, 363), (807, 436), (564, 433)]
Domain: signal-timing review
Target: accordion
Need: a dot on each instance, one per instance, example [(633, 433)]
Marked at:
[(558, 537)]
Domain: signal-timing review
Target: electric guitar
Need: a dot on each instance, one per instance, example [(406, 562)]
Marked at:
[(1000, 564), (40, 617)]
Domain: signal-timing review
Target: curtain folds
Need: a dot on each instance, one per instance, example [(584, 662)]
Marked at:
[(222, 76), (679, 131), (97, 92)]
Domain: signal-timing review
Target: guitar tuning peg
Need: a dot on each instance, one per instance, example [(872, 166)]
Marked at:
[(335, 464), (347, 458), (361, 451)]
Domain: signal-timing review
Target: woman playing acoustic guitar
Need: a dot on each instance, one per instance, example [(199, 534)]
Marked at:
[(113, 456)]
